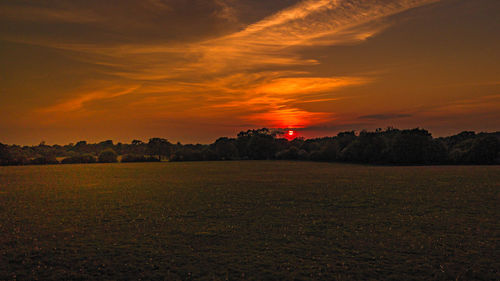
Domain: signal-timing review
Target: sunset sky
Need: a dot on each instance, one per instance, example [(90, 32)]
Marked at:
[(194, 70)]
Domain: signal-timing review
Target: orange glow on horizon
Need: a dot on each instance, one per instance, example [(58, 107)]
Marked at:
[(307, 68)]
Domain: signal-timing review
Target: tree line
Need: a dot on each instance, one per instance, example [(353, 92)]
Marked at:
[(386, 147)]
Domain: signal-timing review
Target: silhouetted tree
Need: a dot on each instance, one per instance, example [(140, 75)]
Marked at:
[(257, 144), (484, 150), (368, 147), (288, 154), (159, 147), (329, 151), (303, 155), (108, 156), (209, 155), (187, 153), (226, 149), (344, 139), (82, 147), (137, 147), (13, 155), (409, 147), (5, 157), (390, 146)]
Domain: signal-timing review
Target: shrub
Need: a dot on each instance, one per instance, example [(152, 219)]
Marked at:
[(85, 158), (209, 155), (484, 150), (44, 160), (288, 154), (186, 154), (303, 155), (316, 155), (108, 156), (138, 158)]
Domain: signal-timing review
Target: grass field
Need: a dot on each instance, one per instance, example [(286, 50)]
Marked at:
[(252, 220)]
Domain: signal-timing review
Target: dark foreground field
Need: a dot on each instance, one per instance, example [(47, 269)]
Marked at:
[(249, 220)]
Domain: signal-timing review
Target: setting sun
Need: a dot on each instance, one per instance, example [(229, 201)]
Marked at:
[(249, 139)]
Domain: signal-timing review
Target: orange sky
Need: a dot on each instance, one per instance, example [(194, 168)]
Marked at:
[(194, 70)]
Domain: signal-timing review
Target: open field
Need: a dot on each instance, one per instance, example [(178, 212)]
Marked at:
[(262, 220)]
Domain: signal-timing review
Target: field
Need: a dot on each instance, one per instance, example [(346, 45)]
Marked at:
[(252, 220)]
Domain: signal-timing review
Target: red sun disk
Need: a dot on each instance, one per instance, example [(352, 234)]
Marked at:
[(290, 134)]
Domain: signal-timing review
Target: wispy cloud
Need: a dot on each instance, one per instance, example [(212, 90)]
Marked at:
[(289, 117), (313, 19), (464, 106), (226, 11), (264, 43), (253, 70), (78, 102), (385, 116)]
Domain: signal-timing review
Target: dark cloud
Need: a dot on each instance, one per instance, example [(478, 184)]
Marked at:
[(130, 21), (108, 22)]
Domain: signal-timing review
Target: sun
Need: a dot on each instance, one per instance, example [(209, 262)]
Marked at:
[(290, 134)]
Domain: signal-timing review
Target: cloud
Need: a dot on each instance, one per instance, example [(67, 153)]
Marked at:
[(385, 116), (482, 104), (312, 19), (78, 102), (276, 99), (308, 23), (329, 127), (225, 10), (30, 13), (256, 74), (265, 43), (288, 117), (297, 85), (158, 4)]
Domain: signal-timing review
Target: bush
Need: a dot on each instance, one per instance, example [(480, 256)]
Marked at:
[(187, 154), (288, 154), (108, 156), (15, 159), (210, 155), (316, 155), (12, 155), (484, 150), (303, 155), (85, 158), (44, 160), (128, 158)]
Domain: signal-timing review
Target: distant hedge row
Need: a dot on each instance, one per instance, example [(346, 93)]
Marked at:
[(107, 156), (385, 147), (390, 146)]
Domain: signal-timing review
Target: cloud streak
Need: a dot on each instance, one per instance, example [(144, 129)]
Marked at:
[(386, 116), (254, 72), (264, 43), (308, 23), (78, 102)]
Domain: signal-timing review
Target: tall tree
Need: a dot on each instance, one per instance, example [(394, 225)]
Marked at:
[(159, 147)]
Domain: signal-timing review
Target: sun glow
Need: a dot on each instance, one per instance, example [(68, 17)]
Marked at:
[(290, 134)]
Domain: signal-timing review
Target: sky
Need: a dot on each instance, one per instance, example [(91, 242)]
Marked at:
[(195, 70)]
